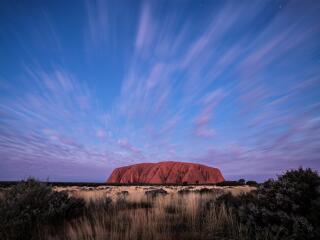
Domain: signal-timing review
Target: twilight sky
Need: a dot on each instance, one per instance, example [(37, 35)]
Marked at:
[(89, 86)]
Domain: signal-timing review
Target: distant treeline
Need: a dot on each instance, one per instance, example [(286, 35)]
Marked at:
[(240, 182)]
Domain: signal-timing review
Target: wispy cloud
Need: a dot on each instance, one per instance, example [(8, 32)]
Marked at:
[(230, 85), (98, 28)]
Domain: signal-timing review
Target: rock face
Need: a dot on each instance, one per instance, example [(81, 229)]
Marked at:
[(166, 172)]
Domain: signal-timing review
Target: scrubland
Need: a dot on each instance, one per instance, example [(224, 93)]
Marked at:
[(128, 213), (286, 208), (136, 193)]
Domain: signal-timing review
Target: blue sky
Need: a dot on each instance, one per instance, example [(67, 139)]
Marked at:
[(87, 86)]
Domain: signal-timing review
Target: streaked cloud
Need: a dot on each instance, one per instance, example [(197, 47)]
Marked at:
[(232, 85)]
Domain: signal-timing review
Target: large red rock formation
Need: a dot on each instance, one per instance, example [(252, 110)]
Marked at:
[(166, 172)]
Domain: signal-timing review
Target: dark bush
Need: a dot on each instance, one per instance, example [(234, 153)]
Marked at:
[(252, 183), (229, 183), (156, 192), (184, 191), (287, 208), (30, 206), (242, 181), (201, 191), (211, 191), (204, 190)]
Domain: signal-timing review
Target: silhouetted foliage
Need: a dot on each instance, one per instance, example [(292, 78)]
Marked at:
[(229, 183), (252, 183), (242, 181), (29, 205), (287, 208)]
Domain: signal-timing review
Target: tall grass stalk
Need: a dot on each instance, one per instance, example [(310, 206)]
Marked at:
[(167, 217)]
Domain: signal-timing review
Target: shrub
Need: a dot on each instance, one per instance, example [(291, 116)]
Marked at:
[(204, 190), (229, 183), (287, 208), (242, 181), (214, 191), (156, 192), (252, 183), (184, 191), (30, 205)]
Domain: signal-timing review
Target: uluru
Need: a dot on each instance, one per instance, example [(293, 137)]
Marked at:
[(166, 173)]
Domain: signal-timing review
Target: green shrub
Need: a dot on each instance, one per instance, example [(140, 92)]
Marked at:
[(287, 208), (30, 206)]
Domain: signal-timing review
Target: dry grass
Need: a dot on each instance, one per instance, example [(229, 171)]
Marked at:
[(136, 192), (2, 193), (133, 215)]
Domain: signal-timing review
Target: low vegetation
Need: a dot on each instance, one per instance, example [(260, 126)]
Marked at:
[(29, 207), (286, 208)]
